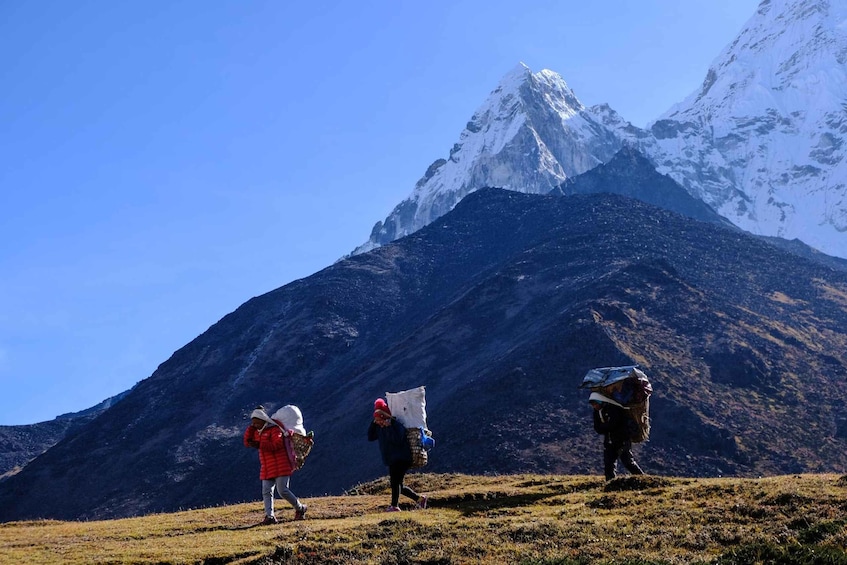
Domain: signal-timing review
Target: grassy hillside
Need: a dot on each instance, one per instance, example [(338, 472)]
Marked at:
[(529, 519)]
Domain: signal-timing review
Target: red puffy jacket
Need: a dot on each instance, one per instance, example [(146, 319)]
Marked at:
[(273, 457)]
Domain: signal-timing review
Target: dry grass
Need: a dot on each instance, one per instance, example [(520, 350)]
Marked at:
[(530, 519)]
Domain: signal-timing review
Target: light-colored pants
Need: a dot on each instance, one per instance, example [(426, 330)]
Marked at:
[(280, 485)]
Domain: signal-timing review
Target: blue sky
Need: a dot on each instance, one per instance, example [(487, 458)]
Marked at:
[(163, 162)]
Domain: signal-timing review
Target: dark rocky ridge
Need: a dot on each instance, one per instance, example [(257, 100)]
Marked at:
[(21, 444), (499, 307), (631, 174)]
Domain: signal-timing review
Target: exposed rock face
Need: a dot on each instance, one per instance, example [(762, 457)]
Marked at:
[(499, 308)]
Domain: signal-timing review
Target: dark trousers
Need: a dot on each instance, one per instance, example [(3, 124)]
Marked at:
[(623, 451), (396, 474)]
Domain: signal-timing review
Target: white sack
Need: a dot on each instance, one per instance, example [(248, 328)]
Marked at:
[(408, 406), (291, 418)]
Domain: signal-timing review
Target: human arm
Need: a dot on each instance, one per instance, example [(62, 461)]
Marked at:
[(251, 438), (373, 431)]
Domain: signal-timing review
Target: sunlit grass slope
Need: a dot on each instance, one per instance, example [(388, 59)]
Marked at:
[(530, 519)]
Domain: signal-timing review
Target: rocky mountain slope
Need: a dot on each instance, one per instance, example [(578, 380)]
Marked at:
[(498, 307)]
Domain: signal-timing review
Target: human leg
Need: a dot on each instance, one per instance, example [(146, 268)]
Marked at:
[(610, 457), (268, 496), (285, 492), (628, 460), (409, 493), (401, 469), (396, 472)]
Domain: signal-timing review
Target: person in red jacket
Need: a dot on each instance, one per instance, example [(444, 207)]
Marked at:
[(276, 465)]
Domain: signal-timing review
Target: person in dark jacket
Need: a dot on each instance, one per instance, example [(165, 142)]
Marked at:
[(396, 453), (611, 420), (275, 465)]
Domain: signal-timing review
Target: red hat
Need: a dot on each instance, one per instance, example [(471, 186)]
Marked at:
[(381, 409)]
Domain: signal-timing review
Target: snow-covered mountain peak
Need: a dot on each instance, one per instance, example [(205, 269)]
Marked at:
[(763, 139), (529, 135), (514, 78)]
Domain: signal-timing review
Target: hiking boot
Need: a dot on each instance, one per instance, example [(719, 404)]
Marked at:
[(267, 521), (422, 501), (300, 513), (392, 509)]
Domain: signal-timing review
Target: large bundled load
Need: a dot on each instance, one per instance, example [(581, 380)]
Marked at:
[(628, 387), (300, 443), (409, 407)]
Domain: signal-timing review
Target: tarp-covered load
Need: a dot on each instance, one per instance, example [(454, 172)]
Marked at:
[(629, 387)]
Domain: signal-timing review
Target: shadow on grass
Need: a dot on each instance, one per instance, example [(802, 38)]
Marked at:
[(471, 504)]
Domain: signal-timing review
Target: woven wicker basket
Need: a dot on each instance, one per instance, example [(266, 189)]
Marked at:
[(302, 447), (419, 454)]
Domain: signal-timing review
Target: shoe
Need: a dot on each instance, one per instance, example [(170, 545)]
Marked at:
[(267, 521), (393, 509), (422, 501), (301, 513)]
